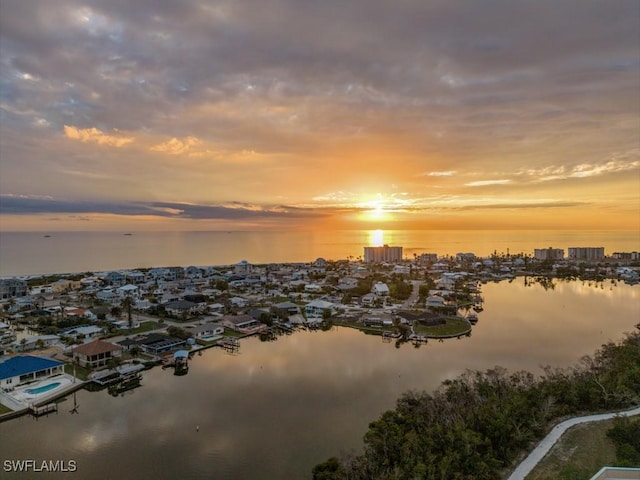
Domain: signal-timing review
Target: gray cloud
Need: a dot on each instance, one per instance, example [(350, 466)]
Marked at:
[(461, 84), (20, 205)]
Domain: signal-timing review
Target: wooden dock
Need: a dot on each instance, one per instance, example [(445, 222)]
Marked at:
[(43, 409), (230, 344)]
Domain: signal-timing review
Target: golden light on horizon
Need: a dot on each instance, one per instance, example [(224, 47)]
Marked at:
[(375, 210), (376, 238)]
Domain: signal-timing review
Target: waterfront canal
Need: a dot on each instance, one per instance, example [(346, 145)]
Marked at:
[(276, 409)]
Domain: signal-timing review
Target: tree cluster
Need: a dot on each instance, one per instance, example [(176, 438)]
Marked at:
[(625, 434), (475, 426)]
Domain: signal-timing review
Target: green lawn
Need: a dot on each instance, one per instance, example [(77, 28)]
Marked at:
[(232, 333), (4, 409), (365, 329), (453, 326), (579, 454), (81, 372)]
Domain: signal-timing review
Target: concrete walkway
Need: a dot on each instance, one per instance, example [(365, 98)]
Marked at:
[(547, 442)]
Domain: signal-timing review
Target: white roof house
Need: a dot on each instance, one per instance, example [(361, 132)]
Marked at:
[(89, 331), (435, 301), (127, 290), (316, 308), (31, 343), (380, 289), (312, 287)]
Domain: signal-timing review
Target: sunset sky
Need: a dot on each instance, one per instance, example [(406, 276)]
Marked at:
[(245, 114)]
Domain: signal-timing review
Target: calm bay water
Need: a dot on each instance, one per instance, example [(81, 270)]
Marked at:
[(278, 408), (66, 252)]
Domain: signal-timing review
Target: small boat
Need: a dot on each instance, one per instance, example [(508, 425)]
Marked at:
[(472, 318), (47, 236)]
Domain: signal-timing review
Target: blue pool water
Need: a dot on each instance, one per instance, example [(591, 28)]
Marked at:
[(42, 389)]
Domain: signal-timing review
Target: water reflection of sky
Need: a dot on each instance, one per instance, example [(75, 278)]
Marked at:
[(277, 408)]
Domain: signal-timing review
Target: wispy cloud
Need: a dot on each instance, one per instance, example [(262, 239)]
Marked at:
[(93, 135), (486, 183), (446, 173), (583, 170), (177, 146)]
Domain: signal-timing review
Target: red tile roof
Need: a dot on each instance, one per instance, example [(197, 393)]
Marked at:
[(96, 348)]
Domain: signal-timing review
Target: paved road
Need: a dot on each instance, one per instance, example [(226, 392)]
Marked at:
[(545, 445), (413, 298)]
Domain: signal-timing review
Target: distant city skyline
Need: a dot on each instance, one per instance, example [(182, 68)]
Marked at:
[(284, 114)]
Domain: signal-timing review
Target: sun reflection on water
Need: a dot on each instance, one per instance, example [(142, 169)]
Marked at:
[(376, 238)]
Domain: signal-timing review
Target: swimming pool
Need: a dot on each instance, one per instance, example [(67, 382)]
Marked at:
[(42, 388)]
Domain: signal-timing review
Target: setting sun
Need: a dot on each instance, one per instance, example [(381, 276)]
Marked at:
[(376, 209)]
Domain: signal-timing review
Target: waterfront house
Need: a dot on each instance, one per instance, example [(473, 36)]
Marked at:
[(377, 320), (241, 323), (22, 369), (435, 301), (285, 309), (96, 353), (156, 343), (207, 330), (317, 308)]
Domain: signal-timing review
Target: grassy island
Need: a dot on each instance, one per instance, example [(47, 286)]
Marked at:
[(453, 326)]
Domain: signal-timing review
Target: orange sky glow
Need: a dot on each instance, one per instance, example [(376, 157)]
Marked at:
[(423, 115)]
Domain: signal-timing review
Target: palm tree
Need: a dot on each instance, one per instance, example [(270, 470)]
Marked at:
[(127, 305)]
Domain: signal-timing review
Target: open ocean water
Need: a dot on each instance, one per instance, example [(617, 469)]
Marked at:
[(29, 253)]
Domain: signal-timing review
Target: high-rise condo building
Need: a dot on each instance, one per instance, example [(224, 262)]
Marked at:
[(382, 254), (586, 253), (548, 253)]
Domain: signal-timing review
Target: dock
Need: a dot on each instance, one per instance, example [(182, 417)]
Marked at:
[(109, 377), (43, 409), (230, 344)]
